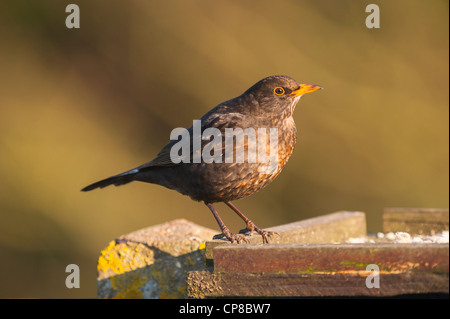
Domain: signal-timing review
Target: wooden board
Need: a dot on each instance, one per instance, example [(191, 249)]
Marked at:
[(423, 221), (331, 228), (319, 258), (204, 284), (319, 270)]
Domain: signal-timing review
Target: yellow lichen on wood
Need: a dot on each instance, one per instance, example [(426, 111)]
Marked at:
[(152, 262), (119, 258)]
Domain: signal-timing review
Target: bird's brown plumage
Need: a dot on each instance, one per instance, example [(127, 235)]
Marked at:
[(268, 104)]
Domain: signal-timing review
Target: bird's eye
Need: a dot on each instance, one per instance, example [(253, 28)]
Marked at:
[(278, 91)]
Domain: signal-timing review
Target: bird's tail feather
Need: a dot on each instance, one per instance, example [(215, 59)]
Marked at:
[(116, 180)]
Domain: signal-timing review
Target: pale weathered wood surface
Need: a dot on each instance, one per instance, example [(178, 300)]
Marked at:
[(426, 221), (331, 228)]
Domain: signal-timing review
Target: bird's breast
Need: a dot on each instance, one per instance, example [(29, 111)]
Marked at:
[(229, 180), (237, 180)]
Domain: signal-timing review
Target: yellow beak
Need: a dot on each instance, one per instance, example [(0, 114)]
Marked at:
[(306, 88)]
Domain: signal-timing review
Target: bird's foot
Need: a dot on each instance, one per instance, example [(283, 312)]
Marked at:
[(251, 228), (233, 238)]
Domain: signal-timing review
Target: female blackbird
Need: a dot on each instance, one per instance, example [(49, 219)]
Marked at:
[(259, 119)]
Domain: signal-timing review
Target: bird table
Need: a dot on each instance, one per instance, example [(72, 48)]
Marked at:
[(318, 258), (326, 256)]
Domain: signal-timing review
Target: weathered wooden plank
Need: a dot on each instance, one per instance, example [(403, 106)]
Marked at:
[(152, 262), (331, 228), (329, 258), (204, 284), (415, 220)]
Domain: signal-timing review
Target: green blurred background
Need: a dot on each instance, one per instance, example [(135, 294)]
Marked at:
[(78, 105)]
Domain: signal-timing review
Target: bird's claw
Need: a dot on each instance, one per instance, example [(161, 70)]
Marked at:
[(233, 238), (264, 233)]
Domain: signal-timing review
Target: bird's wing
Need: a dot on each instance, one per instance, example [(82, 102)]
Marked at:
[(220, 122)]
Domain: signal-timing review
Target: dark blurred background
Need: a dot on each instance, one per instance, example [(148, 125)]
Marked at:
[(78, 105)]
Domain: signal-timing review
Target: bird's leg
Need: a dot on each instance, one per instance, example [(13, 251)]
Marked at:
[(250, 226), (225, 231)]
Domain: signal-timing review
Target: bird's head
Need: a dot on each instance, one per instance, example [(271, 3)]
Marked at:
[(278, 94)]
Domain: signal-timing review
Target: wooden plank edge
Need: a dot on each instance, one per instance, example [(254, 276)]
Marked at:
[(204, 284)]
